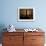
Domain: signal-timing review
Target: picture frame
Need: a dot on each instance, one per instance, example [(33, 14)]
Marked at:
[(26, 14)]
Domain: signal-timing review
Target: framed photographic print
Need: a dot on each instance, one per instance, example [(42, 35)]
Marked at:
[(26, 14)]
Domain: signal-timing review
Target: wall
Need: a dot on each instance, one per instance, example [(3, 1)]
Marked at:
[(9, 13)]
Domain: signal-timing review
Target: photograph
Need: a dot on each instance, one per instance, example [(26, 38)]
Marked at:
[(26, 14)]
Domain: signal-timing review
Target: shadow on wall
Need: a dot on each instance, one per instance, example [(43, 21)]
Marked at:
[(2, 26)]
